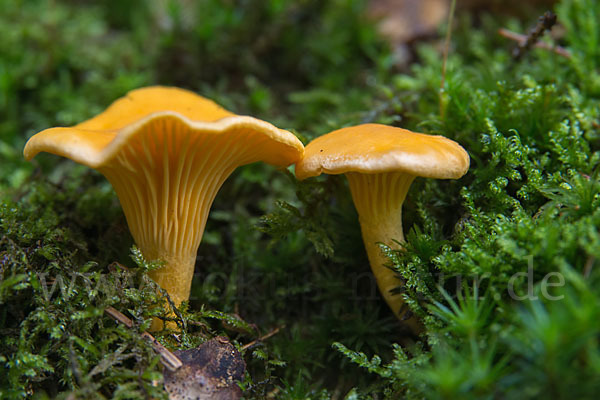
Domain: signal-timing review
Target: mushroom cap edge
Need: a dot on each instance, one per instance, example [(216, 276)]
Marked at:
[(94, 148), (377, 148)]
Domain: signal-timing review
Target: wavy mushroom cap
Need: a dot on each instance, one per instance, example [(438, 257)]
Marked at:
[(98, 140), (376, 148), (166, 152)]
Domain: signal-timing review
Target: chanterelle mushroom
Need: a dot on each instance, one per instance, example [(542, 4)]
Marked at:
[(380, 163), (166, 151)]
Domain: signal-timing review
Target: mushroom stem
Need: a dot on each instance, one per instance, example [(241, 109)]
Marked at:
[(166, 194), (177, 278), (378, 200)]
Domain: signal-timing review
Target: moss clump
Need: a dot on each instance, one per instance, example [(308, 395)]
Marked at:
[(507, 287), (53, 294)]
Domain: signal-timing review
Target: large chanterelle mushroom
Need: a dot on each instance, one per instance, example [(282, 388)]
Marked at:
[(380, 163), (166, 151)]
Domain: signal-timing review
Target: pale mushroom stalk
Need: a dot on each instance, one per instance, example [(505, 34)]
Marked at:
[(378, 200)]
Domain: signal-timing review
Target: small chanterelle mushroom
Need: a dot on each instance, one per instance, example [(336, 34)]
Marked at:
[(166, 151), (380, 163)]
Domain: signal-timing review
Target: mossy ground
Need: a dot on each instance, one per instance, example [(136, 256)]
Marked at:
[(500, 265)]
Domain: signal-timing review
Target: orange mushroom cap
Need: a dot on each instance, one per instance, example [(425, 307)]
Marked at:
[(166, 151), (376, 148), (95, 141)]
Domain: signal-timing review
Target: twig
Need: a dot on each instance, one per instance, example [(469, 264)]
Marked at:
[(445, 57), (113, 266), (119, 317), (168, 359), (261, 339), (545, 23), (174, 308), (561, 51)]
